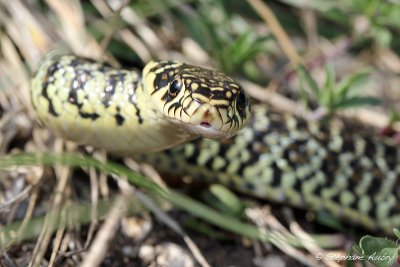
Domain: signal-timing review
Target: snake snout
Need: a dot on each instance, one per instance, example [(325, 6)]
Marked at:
[(206, 121), (206, 116)]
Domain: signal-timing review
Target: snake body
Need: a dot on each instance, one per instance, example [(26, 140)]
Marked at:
[(128, 111), (350, 174)]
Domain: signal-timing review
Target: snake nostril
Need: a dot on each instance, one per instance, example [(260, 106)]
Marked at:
[(207, 114)]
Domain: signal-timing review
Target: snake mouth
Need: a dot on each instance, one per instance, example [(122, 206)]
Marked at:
[(206, 130), (205, 124)]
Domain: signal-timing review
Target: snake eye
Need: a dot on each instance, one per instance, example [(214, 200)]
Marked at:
[(175, 87), (241, 102)]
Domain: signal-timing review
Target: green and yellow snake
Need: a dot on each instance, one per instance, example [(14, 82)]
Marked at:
[(350, 174)]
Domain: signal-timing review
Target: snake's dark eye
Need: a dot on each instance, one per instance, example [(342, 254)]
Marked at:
[(241, 102), (175, 87)]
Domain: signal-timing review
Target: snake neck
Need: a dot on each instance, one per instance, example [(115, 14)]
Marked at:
[(94, 104), (157, 132)]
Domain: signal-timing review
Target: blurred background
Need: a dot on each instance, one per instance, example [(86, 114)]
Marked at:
[(263, 44), (316, 58)]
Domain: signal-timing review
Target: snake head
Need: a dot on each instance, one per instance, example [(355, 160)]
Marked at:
[(204, 102)]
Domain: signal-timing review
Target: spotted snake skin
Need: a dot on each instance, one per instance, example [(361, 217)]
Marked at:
[(351, 174)]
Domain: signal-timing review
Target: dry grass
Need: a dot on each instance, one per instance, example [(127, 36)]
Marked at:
[(29, 31)]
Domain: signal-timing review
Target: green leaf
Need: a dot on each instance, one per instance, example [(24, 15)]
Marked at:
[(351, 83), (357, 101), (327, 219), (243, 49), (394, 116), (311, 83), (382, 36), (379, 251), (396, 232), (330, 76), (320, 5), (357, 249), (146, 8), (206, 229), (327, 99), (350, 262), (246, 49), (227, 198)]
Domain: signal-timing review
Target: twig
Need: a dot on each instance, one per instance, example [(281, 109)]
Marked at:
[(165, 218), (56, 245), (25, 193), (94, 195), (101, 243), (262, 9), (62, 173), (277, 234), (310, 244)]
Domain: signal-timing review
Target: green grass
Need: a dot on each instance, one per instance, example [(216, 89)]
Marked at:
[(197, 209), (336, 95)]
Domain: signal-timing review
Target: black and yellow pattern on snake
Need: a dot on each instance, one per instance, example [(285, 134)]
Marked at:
[(129, 112), (349, 173), (352, 175)]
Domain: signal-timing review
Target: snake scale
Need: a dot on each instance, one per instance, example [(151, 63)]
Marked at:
[(350, 174)]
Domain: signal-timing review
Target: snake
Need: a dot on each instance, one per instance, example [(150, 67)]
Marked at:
[(157, 116), (128, 111)]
